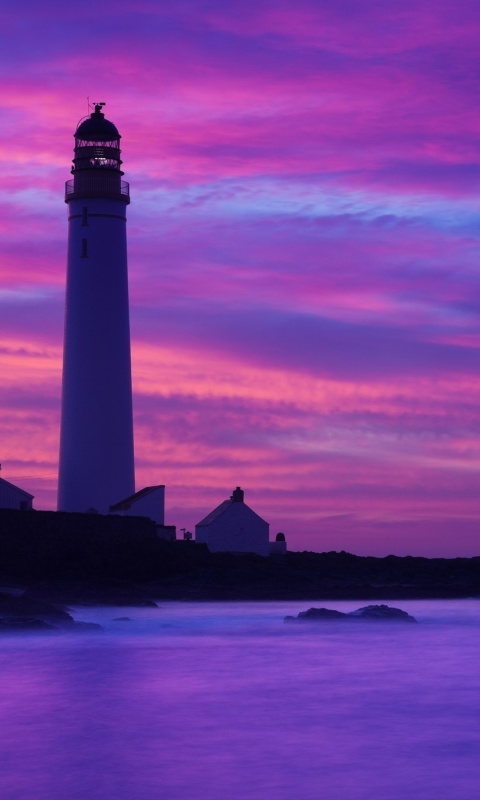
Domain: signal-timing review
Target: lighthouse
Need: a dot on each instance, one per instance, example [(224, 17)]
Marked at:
[(96, 468)]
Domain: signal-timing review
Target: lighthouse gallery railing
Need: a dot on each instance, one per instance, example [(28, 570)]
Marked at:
[(96, 186)]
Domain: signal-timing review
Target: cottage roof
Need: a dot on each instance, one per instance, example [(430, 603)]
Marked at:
[(127, 502), (17, 488), (217, 512), (221, 509)]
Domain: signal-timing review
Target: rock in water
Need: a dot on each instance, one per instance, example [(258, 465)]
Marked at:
[(382, 612), (91, 593), (321, 613), (87, 627), (24, 613), (12, 606), (26, 625)]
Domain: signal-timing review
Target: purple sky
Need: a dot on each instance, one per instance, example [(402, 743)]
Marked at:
[(304, 256)]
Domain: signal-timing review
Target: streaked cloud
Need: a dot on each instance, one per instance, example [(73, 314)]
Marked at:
[(303, 245)]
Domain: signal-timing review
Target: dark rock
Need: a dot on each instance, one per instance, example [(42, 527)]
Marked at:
[(23, 613), (321, 613), (87, 627), (121, 619), (12, 606), (92, 593), (26, 625), (382, 612)]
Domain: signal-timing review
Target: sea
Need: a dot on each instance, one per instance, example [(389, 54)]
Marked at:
[(225, 701)]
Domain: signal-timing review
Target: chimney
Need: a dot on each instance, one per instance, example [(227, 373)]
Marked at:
[(237, 495)]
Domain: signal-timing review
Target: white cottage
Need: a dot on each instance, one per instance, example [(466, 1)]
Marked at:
[(13, 497), (234, 528)]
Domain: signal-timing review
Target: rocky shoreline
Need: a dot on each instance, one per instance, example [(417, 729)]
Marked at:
[(82, 559), (189, 572)]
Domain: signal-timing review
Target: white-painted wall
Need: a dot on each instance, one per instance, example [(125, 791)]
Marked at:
[(96, 450), (237, 530), (152, 505)]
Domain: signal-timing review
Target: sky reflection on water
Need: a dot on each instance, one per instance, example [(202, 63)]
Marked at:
[(224, 700)]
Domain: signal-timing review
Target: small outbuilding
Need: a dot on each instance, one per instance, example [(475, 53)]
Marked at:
[(12, 496), (233, 527), (148, 502), (279, 546)]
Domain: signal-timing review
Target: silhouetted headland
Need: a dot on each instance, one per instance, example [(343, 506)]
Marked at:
[(93, 559)]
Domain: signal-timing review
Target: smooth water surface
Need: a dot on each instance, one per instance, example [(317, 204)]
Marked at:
[(223, 701)]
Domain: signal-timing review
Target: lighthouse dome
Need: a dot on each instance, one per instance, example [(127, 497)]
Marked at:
[(96, 128), (97, 163)]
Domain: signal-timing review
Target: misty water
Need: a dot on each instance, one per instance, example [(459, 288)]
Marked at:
[(224, 701)]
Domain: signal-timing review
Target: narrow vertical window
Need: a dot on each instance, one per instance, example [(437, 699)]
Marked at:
[(84, 216), (84, 248)]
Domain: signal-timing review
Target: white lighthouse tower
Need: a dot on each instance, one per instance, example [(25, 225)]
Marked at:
[(96, 443)]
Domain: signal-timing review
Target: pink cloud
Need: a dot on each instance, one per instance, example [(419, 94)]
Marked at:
[(303, 256)]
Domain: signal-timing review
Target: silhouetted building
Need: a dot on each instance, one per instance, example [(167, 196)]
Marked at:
[(96, 443), (233, 527), (12, 496), (148, 502), (279, 546)]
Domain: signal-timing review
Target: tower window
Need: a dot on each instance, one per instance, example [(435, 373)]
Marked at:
[(84, 248), (84, 216)]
